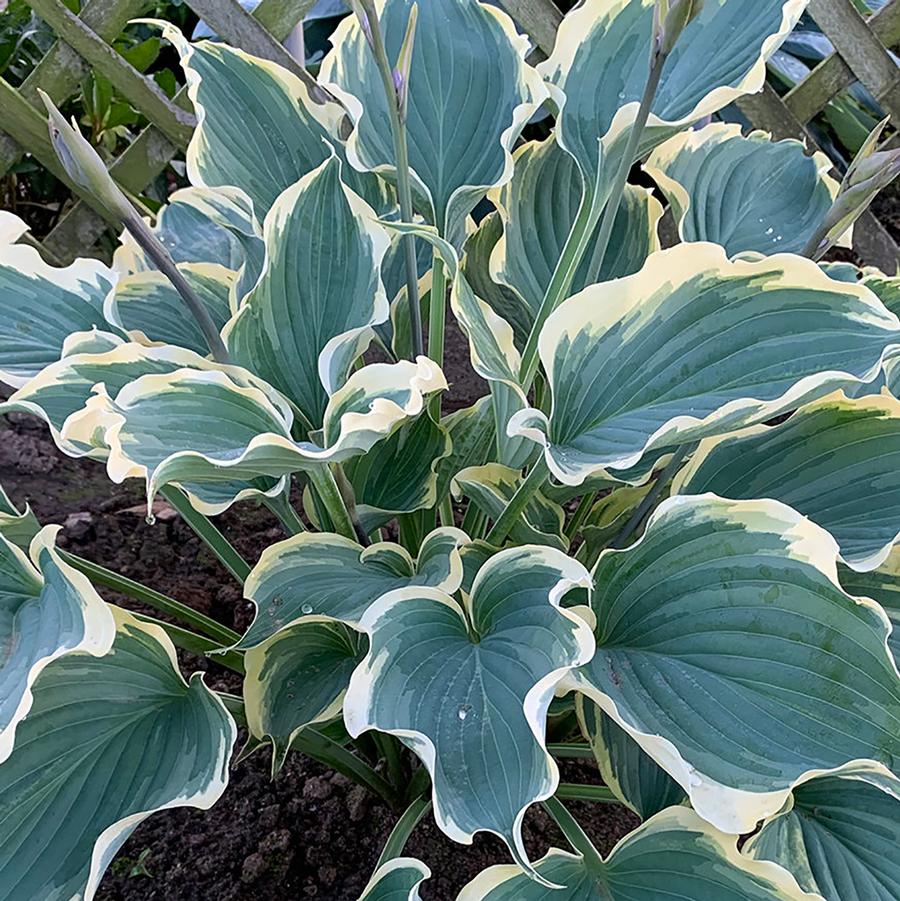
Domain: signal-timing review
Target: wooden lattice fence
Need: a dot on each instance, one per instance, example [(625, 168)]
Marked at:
[(84, 42)]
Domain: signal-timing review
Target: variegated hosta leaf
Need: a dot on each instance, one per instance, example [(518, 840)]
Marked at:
[(476, 267), (635, 778), (397, 880), (471, 433), (491, 487), (231, 210), (60, 394), (109, 740), (747, 194), (674, 855), (470, 94), (610, 513), (258, 128), (838, 836), (600, 63), (693, 346), (728, 651), (538, 208), (323, 575), (399, 474), (40, 306), (17, 527), (836, 461), (295, 678), (310, 314), (203, 427), (47, 609), (886, 288), (491, 344), (468, 691), (883, 586), (149, 309), (188, 233)]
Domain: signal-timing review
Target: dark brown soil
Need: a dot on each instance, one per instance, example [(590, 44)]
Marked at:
[(310, 833)]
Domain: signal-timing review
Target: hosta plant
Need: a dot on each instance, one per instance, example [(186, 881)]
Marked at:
[(664, 538)]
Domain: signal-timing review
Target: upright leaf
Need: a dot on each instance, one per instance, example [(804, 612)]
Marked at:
[(601, 61), (397, 880), (296, 678), (310, 313), (470, 93), (258, 128)]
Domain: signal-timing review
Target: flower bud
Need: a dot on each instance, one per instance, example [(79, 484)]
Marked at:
[(83, 164), (362, 16), (670, 18), (870, 172), (404, 63)]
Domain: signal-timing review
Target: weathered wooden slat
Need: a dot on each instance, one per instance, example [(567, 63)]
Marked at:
[(538, 18), (61, 70), (861, 50), (833, 75), (241, 29), (143, 93)]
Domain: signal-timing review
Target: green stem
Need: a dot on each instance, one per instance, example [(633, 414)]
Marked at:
[(617, 191), (349, 498), (534, 481), (149, 243), (404, 187), (650, 497), (326, 487), (389, 749), (569, 260), (567, 751), (318, 746), (580, 515), (569, 827), (437, 311), (445, 510), (198, 644), (474, 521), (161, 602), (282, 507), (574, 791), (578, 239), (217, 542), (403, 829)]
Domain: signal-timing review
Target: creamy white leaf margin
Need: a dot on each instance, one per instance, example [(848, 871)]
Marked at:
[(600, 308), (532, 91), (730, 809), (347, 431), (98, 626), (360, 694)]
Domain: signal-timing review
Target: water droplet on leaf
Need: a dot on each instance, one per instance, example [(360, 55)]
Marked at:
[(464, 711), (306, 608)]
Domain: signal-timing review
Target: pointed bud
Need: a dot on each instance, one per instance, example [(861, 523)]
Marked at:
[(403, 65), (83, 164), (362, 15), (670, 18), (870, 172)]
